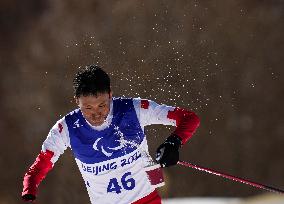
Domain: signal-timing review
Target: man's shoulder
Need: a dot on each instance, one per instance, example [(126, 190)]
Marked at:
[(136, 101), (72, 114)]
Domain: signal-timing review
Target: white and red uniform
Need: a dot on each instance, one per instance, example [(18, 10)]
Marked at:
[(111, 157)]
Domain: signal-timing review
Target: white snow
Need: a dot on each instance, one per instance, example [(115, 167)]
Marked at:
[(201, 201)]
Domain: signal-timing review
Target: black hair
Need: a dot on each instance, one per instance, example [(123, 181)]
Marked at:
[(92, 80)]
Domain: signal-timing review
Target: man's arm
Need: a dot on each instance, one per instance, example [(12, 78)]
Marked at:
[(186, 122), (56, 142), (149, 112)]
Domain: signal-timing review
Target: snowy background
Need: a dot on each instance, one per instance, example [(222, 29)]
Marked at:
[(222, 59)]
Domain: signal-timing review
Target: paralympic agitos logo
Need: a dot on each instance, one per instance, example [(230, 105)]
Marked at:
[(108, 151), (122, 143)]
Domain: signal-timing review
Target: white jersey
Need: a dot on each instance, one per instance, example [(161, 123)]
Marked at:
[(115, 173)]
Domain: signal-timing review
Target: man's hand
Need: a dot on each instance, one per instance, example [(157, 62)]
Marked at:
[(28, 197), (167, 153)]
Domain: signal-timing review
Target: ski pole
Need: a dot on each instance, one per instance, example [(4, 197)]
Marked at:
[(230, 177)]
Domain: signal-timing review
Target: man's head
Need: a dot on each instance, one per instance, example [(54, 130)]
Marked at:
[(91, 80), (93, 94)]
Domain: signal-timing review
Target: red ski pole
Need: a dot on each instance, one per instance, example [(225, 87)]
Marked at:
[(230, 177)]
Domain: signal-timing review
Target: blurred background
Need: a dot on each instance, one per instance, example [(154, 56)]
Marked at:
[(221, 59)]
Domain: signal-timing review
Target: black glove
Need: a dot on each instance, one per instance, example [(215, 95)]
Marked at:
[(167, 153), (28, 197)]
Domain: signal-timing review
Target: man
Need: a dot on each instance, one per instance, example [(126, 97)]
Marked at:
[(106, 135)]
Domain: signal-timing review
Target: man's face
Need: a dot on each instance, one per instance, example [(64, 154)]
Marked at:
[(95, 109)]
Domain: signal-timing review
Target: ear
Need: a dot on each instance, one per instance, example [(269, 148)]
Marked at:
[(110, 94), (76, 100)]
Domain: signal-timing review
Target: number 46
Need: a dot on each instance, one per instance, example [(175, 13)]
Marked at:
[(127, 184)]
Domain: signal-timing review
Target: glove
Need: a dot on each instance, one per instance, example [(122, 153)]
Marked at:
[(167, 153), (28, 197)]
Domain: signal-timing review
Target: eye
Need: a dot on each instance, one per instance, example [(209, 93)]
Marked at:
[(102, 106)]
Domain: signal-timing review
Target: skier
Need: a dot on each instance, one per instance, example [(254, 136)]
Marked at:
[(106, 135)]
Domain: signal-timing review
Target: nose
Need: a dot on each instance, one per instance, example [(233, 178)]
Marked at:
[(96, 114)]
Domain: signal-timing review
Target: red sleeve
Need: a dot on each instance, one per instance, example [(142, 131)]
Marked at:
[(37, 172), (186, 123)]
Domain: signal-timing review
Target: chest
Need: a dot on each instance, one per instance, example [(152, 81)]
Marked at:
[(123, 136)]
